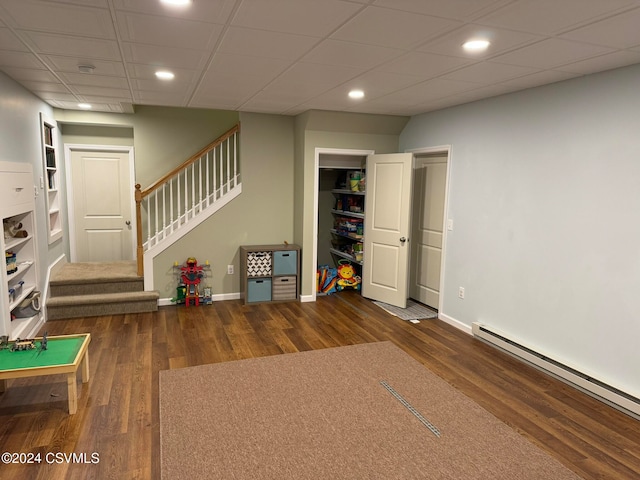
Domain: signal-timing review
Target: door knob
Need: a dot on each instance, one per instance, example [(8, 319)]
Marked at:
[(128, 222), (402, 239)]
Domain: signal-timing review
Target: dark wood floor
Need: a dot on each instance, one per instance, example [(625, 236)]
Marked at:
[(118, 409)]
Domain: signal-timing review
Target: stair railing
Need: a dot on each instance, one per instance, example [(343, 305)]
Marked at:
[(168, 204)]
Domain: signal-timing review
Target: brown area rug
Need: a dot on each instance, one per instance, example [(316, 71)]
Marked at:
[(325, 414)]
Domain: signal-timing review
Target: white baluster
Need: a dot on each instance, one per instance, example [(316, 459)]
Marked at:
[(171, 204)]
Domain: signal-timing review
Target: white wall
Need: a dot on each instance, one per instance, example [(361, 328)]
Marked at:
[(545, 199), (20, 142)]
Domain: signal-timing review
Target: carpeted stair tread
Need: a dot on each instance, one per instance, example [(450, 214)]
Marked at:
[(90, 272), (102, 298)]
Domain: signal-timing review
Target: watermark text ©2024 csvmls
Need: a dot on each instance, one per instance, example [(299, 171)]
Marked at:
[(23, 458)]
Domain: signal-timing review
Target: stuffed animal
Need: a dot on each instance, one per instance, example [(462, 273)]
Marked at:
[(13, 229)]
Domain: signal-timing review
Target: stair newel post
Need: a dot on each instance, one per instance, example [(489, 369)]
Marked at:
[(140, 248)]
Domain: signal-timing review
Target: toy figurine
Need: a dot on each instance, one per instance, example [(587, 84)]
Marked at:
[(191, 275), (347, 277)]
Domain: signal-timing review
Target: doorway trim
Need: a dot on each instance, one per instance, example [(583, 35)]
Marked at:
[(72, 147), (439, 150), (316, 185)]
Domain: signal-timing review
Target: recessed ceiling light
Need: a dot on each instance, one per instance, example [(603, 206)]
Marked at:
[(177, 3), (356, 94), (164, 75), (84, 106), (477, 45)]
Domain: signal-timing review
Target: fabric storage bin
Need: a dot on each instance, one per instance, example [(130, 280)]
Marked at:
[(258, 264), (259, 290), (285, 262), (285, 288)]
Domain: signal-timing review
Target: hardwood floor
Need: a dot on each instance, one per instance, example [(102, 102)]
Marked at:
[(118, 409)]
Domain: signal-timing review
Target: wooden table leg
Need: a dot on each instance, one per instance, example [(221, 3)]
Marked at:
[(73, 392), (85, 367), (3, 385)]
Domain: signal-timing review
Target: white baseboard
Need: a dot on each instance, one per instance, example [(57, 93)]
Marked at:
[(455, 323), (163, 302), (307, 298)]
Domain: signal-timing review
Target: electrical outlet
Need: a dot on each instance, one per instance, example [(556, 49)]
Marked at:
[(230, 269), (461, 292)]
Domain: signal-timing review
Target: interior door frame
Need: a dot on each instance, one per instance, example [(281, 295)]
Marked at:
[(69, 148), (439, 150), (316, 185)]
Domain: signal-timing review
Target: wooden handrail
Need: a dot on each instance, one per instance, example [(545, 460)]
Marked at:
[(141, 194), (161, 181)]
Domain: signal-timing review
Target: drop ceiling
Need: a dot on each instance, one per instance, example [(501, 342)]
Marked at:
[(289, 56)]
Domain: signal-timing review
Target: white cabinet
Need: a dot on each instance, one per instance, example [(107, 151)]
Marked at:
[(19, 275)]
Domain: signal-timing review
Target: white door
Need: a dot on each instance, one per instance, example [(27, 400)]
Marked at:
[(102, 206), (386, 229), (429, 184)]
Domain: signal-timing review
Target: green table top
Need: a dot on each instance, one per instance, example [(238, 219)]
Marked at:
[(60, 351)]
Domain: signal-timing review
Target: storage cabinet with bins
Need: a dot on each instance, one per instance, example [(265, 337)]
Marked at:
[(269, 273), (19, 276)]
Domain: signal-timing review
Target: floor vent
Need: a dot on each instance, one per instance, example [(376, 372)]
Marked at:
[(606, 393)]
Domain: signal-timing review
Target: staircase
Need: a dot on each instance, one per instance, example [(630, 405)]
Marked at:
[(95, 289), (182, 199), (166, 211)]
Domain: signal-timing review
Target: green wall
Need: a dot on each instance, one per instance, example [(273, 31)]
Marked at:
[(262, 214), (163, 137)]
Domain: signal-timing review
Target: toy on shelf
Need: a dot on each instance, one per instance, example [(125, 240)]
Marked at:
[(191, 274)]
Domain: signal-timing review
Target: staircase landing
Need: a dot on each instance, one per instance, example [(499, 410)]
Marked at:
[(94, 289)]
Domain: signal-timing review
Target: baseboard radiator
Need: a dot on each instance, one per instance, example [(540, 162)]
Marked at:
[(606, 393)]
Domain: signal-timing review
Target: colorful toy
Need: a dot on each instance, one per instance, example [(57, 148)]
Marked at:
[(191, 274), (347, 277), (327, 278)]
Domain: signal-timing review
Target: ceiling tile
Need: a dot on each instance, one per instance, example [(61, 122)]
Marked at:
[(30, 75), (102, 91), (304, 17), (263, 43), (621, 31), (49, 43), (537, 79), (551, 53), (8, 41), (19, 59), (551, 16), (603, 62), (488, 73), (501, 41), (392, 28), (69, 97), (46, 87), (91, 79), (424, 65), (336, 52), (211, 11), (303, 73), (175, 99), (59, 18), (425, 91), (458, 9), (70, 64), (165, 56), (377, 83), (170, 32)]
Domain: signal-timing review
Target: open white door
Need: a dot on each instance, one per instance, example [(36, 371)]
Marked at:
[(386, 228)]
